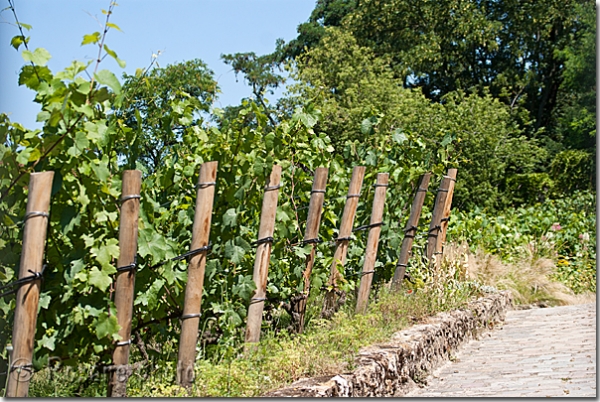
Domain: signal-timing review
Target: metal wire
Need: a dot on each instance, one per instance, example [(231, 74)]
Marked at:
[(186, 316), (130, 197), (207, 184), (35, 213), (263, 241), (273, 187), (20, 282), (371, 225), (255, 300)]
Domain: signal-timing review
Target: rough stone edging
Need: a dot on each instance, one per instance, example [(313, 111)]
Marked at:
[(391, 369)]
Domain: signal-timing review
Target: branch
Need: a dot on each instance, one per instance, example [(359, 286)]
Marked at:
[(29, 170), (12, 7), (100, 45)]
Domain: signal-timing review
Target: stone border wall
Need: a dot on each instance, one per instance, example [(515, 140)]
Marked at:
[(391, 369)]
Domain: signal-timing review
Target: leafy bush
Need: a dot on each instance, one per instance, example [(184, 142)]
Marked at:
[(562, 229)]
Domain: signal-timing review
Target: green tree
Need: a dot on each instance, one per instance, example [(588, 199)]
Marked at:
[(147, 109), (327, 13), (575, 120), (361, 100), (517, 49)]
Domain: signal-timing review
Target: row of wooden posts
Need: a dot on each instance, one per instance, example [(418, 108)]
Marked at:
[(34, 238)]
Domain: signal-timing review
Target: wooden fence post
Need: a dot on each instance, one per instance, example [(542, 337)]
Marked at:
[(263, 254), (436, 216), (190, 320), (331, 304), (441, 239), (28, 294), (125, 280), (372, 242), (410, 230), (311, 236), (438, 213)]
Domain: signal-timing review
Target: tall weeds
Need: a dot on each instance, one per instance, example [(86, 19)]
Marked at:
[(529, 277)]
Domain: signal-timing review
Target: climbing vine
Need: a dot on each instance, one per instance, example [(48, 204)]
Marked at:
[(82, 142)]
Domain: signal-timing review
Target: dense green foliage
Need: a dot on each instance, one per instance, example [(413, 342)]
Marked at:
[(386, 84), (85, 122), (536, 58), (360, 99), (562, 229), (147, 109), (522, 51)]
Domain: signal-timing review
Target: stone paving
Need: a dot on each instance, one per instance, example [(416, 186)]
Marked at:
[(541, 352)]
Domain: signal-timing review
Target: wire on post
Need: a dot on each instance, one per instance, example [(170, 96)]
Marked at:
[(255, 300), (20, 282), (124, 343), (131, 267), (187, 316), (371, 225), (448, 177), (437, 227), (307, 241), (205, 185), (190, 253), (263, 241), (130, 197), (408, 229), (35, 213)]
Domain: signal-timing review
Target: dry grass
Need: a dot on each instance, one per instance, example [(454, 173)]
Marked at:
[(529, 279)]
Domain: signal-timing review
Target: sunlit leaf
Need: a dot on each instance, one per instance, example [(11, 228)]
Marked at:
[(38, 57), (91, 38), (107, 78)]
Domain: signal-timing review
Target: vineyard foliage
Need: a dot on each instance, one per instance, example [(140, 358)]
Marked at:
[(82, 141), (94, 128)]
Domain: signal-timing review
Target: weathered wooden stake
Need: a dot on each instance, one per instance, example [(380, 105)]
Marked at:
[(411, 229), (263, 254), (331, 304), (28, 294), (441, 239), (372, 242), (438, 213), (190, 319), (311, 236), (125, 280)]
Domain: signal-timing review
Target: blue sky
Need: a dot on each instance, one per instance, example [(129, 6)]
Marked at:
[(180, 29)]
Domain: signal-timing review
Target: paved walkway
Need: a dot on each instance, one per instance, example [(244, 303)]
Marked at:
[(542, 352)]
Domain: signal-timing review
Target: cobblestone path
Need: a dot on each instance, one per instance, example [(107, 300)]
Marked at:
[(542, 352)]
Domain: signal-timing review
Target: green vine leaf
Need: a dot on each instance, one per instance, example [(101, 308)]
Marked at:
[(99, 279), (17, 41), (107, 325), (91, 38), (107, 78), (38, 57), (113, 54), (114, 26)]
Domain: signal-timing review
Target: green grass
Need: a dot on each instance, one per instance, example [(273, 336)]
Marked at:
[(326, 348)]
